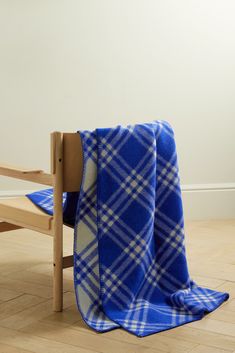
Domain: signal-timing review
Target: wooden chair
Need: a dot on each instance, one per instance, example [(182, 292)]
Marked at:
[(20, 212)]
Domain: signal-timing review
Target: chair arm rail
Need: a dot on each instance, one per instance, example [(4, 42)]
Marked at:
[(32, 175)]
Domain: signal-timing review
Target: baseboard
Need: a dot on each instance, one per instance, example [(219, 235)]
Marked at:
[(208, 187), (214, 202), (200, 201)]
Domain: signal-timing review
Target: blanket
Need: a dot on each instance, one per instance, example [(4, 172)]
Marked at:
[(130, 267)]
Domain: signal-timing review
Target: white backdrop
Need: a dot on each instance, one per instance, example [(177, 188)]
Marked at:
[(71, 64)]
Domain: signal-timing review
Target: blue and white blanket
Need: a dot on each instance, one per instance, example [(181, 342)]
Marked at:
[(130, 268)]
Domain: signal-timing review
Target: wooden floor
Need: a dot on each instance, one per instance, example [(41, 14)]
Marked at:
[(27, 323)]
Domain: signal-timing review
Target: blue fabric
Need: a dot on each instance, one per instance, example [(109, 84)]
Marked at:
[(44, 200), (130, 265)]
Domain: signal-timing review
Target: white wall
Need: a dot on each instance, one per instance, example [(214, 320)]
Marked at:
[(68, 65)]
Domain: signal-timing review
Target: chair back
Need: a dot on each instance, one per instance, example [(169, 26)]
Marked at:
[(67, 160)]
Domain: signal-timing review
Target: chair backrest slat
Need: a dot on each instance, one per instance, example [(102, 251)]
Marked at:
[(72, 161)]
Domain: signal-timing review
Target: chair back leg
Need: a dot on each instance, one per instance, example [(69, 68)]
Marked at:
[(58, 269), (57, 169)]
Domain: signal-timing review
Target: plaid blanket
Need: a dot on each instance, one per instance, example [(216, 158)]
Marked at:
[(130, 267)]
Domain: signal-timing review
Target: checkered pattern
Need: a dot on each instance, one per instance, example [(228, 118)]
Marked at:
[(130, 268), (134, 184), (137, 249), (44, 199), (111, 283)]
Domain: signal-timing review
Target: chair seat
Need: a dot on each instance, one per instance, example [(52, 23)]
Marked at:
[(22, 211)]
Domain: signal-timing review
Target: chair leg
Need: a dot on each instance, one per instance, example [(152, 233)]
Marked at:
[(58, 270), (57, 171)]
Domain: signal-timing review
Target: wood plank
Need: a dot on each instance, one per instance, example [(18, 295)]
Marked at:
[(40, 278), (165, 344), (5, 348), (216, 270), (203, 337), (216, 326), (208, 282), (67, 317), (97, 342), (36, 344), (5, 168), (8, 294), (32, 175), (229, 306), (228, 287), (29, 226), (18, 304), (30, 288), (10, 264), (208, 349), (223, 315), (32, 314), (21, 211)]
